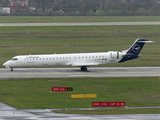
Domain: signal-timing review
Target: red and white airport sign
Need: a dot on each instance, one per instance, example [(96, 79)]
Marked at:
[(59, 89), (100, 104), (62, 89), (117, 104), (108, 104)]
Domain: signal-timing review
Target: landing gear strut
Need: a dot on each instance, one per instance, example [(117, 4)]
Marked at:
[(84, 68), (11, 69)]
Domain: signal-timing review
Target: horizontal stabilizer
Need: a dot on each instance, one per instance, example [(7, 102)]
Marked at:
[(144, 41)]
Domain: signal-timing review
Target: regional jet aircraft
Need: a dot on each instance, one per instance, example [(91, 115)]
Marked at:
[(82, 60)]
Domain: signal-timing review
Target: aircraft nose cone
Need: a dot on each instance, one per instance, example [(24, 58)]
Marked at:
[(6, 64)]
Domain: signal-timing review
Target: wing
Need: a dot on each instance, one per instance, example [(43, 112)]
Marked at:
[(84, 64)]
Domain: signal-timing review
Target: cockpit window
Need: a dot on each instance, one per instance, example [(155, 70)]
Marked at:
[(14, 59)]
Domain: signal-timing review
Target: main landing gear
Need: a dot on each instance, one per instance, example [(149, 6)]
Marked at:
[(11, 69), (84, 68)]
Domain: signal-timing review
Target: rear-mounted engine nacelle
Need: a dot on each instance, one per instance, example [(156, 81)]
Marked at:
[(116, 55)]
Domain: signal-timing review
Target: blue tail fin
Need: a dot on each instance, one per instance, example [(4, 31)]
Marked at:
[(134, 50), (137, 46)]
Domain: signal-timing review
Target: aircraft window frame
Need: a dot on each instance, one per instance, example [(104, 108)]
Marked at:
[(14, 59)]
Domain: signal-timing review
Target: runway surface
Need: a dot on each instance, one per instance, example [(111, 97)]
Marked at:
[(80, 23), (76, 72), (8, 112)]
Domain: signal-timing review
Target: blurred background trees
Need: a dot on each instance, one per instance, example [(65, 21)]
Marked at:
[(86, 7)]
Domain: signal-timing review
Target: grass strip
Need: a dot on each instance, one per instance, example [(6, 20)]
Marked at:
[(35, 93), (61, 19), (50, 40)]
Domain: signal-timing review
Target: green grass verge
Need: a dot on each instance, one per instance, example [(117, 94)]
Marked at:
[(61, 19), (35, 93), (75, 39), (112, 111)]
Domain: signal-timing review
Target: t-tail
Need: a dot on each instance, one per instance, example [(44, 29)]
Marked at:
[(134, 50)]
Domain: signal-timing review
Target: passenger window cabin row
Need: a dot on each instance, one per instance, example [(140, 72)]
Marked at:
[(59, 58)]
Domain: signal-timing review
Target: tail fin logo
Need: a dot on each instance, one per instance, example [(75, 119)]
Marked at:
[(136, 48)]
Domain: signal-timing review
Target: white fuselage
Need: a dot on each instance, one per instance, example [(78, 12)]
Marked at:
[(77, 59)]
